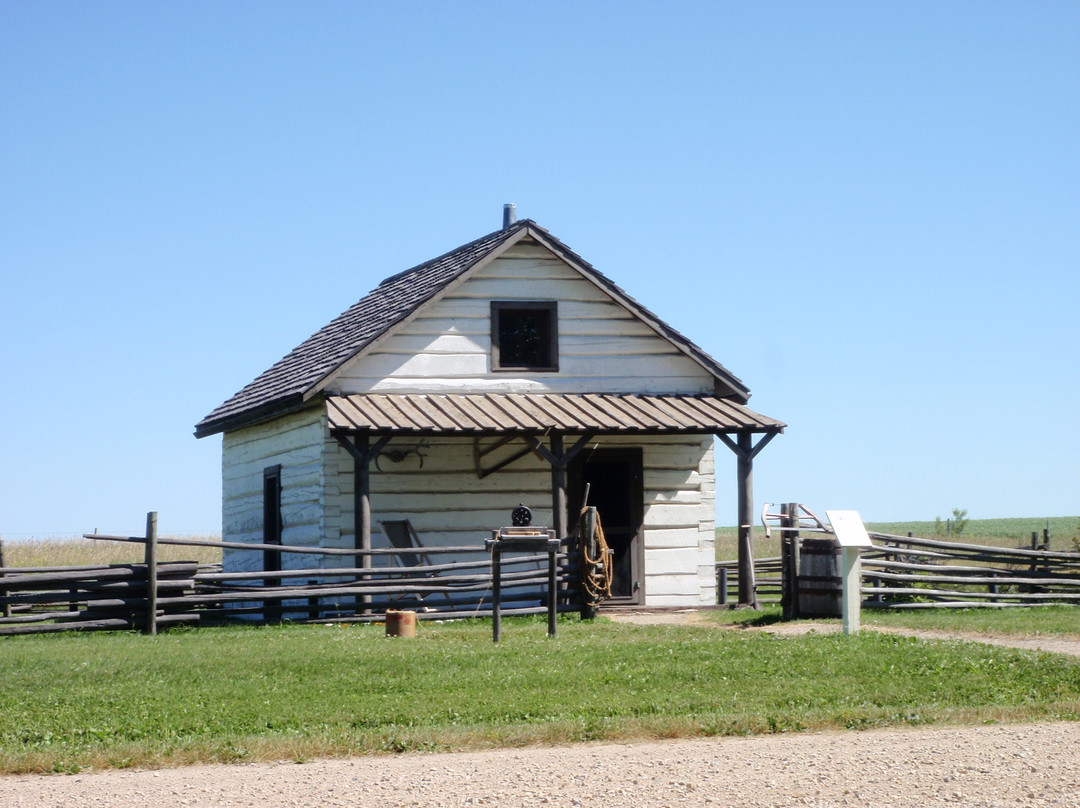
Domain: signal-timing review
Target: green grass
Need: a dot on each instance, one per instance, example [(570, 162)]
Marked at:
[(1041, 621), (295, 692), (1064, 534)]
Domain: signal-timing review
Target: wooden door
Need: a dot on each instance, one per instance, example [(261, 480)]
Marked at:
[(614, 477)]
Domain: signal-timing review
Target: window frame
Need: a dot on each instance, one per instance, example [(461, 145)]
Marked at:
[(552, 309)]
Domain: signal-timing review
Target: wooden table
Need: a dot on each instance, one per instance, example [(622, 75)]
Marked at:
[(524, 545)]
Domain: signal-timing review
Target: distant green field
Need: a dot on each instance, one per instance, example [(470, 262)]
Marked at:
[(1064, 534)]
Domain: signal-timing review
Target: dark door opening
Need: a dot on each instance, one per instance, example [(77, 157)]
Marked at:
[(614, 477)]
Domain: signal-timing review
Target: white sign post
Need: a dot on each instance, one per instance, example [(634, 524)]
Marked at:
[(852, 536)]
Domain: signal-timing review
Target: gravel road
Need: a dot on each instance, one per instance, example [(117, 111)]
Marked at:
[(1016, 765)]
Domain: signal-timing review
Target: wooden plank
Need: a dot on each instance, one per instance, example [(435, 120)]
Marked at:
[(388, 407), (373, 413), (433, 414), (680, 414), (595, 412), (978, 548), (284, 548), (506, 415), (477, 416), (631, 417), (976, 581), (342, 413), (539, 409), (408, 408), (657, 417), (976, 595), (711, 410), (570, 416)]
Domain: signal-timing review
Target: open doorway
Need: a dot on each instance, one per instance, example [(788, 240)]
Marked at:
[(614, 477)]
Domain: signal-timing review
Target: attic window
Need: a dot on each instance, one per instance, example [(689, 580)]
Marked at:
[(524, 335)]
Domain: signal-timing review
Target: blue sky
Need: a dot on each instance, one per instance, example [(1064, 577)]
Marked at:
[(867, 211)]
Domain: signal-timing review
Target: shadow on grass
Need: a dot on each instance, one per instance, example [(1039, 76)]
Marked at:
[(747, 618)]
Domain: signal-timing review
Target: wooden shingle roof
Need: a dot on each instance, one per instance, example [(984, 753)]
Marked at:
[(291, 382)]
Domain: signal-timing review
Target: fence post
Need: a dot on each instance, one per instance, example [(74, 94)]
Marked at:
[(151, 572), (787, 570), (789, 561), (3, 592)]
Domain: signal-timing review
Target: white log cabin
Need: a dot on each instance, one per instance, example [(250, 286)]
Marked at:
[(506, 371)]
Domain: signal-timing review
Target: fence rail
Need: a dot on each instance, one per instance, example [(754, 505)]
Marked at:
[(907, 572), (145, 596)]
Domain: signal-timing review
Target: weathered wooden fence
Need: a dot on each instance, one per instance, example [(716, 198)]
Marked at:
[(906, 572), (145, 596)]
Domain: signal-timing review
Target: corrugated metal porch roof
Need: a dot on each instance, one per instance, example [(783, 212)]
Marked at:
[(532, 413)]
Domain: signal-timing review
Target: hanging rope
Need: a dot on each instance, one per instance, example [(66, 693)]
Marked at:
[(596, 580)]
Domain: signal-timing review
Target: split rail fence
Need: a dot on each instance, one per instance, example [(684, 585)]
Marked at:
[(906, 572), (152, 594)]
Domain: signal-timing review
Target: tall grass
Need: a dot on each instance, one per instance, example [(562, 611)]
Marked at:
[(72, 701), (84, 552)]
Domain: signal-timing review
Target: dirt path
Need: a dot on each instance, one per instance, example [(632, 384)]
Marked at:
[(1024, 765), (1055, 645)]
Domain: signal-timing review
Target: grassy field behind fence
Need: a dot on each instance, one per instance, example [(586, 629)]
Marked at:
[(79, 551), (1064, 531), (294, 692), (1013, 533)]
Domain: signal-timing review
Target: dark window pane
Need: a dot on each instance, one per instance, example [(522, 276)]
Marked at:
[(525, 338), (524, 335)]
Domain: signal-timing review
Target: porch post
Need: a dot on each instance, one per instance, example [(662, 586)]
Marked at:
[(745, 475), (362, 452), (558, 487), (362, 500), (745, 451)]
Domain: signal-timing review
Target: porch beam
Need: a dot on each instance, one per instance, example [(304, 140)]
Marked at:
[(559, 460)]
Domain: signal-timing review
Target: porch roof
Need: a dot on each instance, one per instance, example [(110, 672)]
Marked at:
[(540, 413)]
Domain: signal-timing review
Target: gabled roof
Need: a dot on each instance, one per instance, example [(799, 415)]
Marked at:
[(293, 380)]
